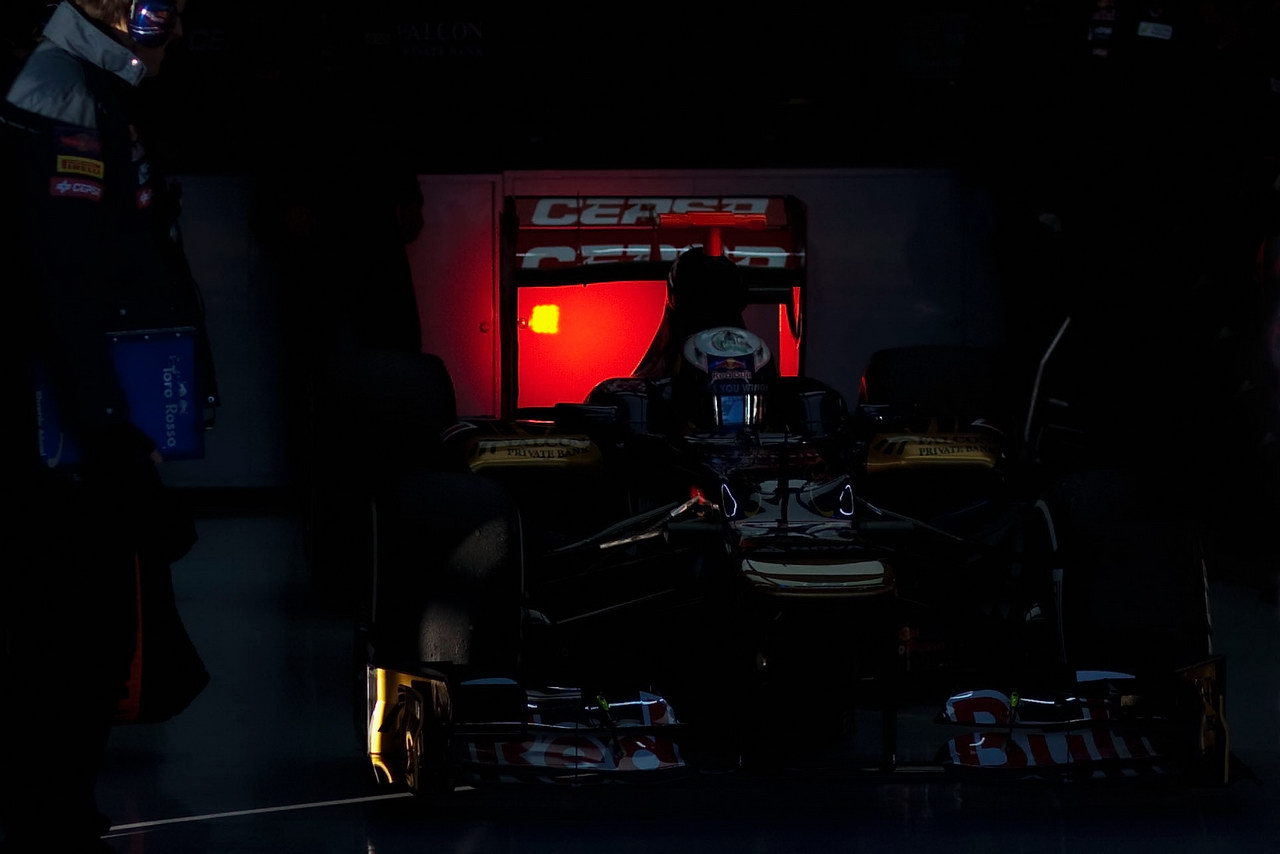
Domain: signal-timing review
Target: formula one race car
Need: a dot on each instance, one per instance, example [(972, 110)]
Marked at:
[(714, 563)]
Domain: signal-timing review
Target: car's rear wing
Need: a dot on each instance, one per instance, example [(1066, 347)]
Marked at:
[(558, 240)]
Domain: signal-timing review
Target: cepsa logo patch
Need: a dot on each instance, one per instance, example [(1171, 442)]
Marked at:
[(75, 188), (80, 166)]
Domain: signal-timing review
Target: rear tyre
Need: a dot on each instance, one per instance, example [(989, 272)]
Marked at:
[(384, 408), (448, 581), (940, 380), (1134, 585)]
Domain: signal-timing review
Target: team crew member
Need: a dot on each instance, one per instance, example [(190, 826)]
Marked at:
[(95, 249)]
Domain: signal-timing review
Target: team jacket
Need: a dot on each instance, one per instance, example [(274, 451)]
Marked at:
[(97, 248)]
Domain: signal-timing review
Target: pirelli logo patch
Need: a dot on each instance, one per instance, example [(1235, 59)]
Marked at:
[(75, 188), (86, 166)]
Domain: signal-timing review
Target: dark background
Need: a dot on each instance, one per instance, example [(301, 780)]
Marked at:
[(1160, 140), (1179, 137), (482, 88)]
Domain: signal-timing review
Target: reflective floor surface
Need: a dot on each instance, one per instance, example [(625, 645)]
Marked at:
[(266, 759)]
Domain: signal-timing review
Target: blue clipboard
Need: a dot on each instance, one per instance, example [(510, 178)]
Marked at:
[(157, 372)]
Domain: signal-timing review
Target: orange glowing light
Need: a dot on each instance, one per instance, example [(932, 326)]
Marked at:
[(607, 329), (545, 319)]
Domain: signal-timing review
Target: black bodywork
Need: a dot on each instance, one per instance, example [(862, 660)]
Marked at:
[(621, 588)]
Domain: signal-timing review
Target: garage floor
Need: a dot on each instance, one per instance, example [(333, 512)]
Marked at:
[(267, 759)]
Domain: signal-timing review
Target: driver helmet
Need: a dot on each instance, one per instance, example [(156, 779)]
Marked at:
[(732, 363)]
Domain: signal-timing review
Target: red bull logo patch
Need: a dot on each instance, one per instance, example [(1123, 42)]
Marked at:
[(729, 369), (78, 141)]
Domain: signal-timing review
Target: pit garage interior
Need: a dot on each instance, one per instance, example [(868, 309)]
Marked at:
[(941, 152)]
